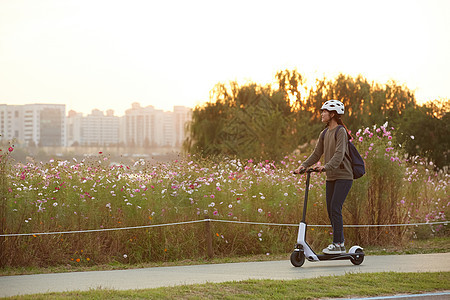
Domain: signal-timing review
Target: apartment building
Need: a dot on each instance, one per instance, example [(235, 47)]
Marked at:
[(142, 126), (96, 129), (74, 132), (150, 127), (181, 116), (34, 124)]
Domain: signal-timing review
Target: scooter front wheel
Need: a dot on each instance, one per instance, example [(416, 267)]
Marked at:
[(297, 258), (357, 259)]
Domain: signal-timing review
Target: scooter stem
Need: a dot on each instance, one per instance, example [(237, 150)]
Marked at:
[(305, 202)]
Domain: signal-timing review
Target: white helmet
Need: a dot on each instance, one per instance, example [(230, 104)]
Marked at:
[(334, 105)]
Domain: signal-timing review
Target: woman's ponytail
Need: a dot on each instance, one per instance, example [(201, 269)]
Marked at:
[(339, 121)]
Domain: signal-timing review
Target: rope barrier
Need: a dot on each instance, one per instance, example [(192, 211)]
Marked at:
[(99, 230), (210, 220), (295, 225)]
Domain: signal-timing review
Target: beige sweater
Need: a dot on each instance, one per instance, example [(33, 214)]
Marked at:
[(337, 165)]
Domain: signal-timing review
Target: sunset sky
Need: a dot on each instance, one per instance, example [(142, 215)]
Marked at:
[(108, 54)]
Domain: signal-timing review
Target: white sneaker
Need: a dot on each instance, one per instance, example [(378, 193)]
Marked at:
[(334, 249)]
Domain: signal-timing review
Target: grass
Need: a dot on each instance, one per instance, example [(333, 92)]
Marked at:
[(435, 245), (349, 285)]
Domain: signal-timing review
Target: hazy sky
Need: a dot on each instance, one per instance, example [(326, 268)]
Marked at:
[(108, 54)]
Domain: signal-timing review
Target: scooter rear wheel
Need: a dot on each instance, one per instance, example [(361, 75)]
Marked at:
[(358, 259), (297, 258)]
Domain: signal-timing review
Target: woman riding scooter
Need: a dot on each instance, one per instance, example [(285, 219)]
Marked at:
[(333, 145)]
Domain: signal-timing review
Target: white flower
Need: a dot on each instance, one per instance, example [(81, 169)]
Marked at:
[(125, 256), (55, 204), (286, 194), (412, 137)]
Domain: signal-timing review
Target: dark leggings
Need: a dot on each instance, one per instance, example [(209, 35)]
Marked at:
[(336, 192)]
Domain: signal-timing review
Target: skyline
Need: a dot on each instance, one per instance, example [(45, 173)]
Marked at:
[(102, 110), (109, 54)]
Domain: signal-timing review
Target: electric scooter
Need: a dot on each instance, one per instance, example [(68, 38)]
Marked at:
[(303, 250)]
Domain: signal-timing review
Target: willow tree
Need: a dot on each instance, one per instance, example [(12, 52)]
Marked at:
[(248, 121)]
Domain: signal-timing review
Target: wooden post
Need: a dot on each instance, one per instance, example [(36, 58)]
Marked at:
[(208, 236)]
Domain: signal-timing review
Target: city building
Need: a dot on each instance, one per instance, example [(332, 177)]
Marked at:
[(74, 120), (34, 124), (96, 129), (143, 126), (150, 127), (181, 116)]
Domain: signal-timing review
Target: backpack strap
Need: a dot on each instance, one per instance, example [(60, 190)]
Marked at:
[(335, 138), (323, 134)]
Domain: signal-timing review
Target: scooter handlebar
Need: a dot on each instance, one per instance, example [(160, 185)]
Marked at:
[(309, 170)]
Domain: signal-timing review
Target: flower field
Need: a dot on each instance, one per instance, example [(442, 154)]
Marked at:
[(95, 193)]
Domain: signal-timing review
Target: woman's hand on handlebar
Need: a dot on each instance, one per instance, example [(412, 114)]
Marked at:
[(300, 170), (319, 169)]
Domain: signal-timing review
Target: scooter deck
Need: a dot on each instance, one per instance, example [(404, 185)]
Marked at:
[(341, 256)]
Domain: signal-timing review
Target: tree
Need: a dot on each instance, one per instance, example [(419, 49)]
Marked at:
[(271, 121), (423, 133), (244, 121), (205, 129)]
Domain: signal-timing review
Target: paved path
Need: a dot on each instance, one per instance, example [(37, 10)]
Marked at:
[(170, 276)]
